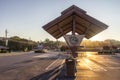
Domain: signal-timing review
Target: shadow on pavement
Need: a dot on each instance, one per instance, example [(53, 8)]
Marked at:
[(54, 74)]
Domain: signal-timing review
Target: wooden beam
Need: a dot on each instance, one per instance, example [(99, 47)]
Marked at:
[(73, 25), (60, 30)]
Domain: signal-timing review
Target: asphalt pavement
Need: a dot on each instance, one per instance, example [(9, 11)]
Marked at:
[(26, 66), (98, 67), (30, 65)]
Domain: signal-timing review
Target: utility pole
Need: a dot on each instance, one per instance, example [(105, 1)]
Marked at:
[(6, 40)]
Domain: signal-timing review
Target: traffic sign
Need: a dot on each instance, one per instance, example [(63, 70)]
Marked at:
[(73, 40)]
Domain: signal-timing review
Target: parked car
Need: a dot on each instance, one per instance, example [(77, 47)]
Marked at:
[(37, 50), (4, 49), (117, 51)]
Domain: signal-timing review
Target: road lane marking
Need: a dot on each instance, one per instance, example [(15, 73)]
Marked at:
[(51, 64), (103, 68), (88, 66), (63, 62), (47, 55), (85, 65), (13, 54), (113, 67), (54, 63), (95, 66)]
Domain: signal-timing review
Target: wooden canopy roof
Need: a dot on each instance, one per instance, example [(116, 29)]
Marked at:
[(74, 19)]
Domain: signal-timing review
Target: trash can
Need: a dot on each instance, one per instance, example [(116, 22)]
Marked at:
[(70, 67)]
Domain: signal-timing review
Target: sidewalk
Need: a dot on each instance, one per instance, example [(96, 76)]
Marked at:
[(13, 53)]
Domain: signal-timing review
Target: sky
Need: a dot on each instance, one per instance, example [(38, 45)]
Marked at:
[(25, 18)]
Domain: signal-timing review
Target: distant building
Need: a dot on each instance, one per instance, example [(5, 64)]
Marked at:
[(2, 38)]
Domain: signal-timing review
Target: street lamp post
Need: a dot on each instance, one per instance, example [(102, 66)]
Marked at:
[(6, 40)]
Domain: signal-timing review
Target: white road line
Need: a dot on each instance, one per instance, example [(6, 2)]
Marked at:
[(88, 66), (103, 68), (97, 66), (114, 67), (51, 64), (63, 61)]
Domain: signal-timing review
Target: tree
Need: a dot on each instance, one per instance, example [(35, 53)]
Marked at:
[(20, 44), (15, 38)]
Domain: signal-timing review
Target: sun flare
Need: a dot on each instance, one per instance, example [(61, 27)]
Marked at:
[(95, 38)]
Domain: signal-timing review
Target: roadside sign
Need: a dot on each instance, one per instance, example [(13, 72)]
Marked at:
[(73, 40)]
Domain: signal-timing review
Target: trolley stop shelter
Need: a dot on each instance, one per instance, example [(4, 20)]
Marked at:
[(74, 20)]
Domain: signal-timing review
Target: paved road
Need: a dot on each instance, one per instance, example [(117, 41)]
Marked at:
[(98, 67), (27, 65)]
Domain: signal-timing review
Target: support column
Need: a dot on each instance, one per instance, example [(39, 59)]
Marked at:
[(73, 48)]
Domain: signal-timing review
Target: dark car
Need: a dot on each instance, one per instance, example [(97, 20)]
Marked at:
[(4, 49)]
